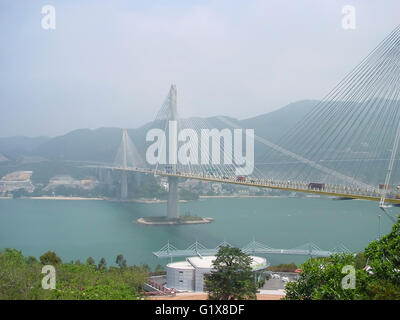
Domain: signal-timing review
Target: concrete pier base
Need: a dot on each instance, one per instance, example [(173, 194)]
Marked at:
[(124, 185), (173, 198)]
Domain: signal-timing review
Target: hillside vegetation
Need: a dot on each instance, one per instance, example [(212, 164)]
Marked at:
[(21, 278), (372, 274)]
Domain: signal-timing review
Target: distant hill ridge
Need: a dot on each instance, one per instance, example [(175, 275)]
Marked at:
[(100, 145), (14, 147)]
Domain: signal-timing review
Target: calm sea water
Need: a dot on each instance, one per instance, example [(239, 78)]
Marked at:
[(79, 229)]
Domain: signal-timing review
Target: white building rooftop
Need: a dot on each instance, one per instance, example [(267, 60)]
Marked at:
[(205, 262), (181, 265)]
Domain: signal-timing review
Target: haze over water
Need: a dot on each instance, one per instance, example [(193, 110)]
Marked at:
[(79, 229)]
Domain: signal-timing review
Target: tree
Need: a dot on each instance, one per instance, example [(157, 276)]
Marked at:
[(102, 264), (20, 280), (384, 255), (30, 260), (120, 261), (145, 267), (360, 260), (159, 270), (90, 261), (50, 257), (231, 277), (322, 278), (18, 193)]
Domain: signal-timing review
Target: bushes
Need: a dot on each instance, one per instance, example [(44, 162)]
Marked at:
[(20, 278), (283, 267), (322, 278), (50, 257)]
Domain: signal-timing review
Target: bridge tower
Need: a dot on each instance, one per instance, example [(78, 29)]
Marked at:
[(124, 174), (127, 156), (173, 195)]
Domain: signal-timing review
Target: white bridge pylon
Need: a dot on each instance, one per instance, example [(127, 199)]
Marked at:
[(127, 156)]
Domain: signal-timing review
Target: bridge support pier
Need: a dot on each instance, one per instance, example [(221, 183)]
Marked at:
[(124, 185), (173, 198)]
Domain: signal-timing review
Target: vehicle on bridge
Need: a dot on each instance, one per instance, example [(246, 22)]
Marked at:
[(241, 178), (384, 186), (316, 186)]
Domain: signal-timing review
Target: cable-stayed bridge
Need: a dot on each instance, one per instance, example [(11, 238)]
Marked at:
[(346, 147)]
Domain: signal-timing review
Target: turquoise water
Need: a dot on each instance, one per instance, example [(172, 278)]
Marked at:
[(79, 229)]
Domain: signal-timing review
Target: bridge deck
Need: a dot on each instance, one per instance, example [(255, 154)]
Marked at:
[(327, 190)]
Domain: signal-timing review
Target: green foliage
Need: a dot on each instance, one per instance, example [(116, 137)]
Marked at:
[(185, 194), (159, 270), (322, 278), (30, 260), (232, 276), (360, 260), (50, 257), (283, 267), (146, 267), (148, 188), (90, 261), (182, 219), (20, 278), (102, 264), (384, 256), (18, 193), (120, 261), (210, 193)]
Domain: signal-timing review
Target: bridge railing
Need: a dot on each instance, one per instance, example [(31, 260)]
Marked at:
[(296, 186)]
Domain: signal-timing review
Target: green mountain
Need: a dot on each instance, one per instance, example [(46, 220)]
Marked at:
[(82, 145), (15, 147), (101, 145), (274, 124)]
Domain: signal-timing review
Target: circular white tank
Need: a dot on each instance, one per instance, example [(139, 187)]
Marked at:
[(180, 276), (189, 275)]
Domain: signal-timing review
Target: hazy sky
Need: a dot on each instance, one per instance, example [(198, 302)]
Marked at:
[(111, 63)]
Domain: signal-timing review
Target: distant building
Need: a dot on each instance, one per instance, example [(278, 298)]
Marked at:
[(16, 180), (164, 183), (68, 181), (189, 275), (216, 187)]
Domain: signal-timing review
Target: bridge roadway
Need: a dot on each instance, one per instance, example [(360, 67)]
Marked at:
[(339, 191)]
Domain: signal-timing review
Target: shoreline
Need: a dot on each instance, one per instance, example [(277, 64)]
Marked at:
[(141, 200), (238, 196), (61, 198)]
